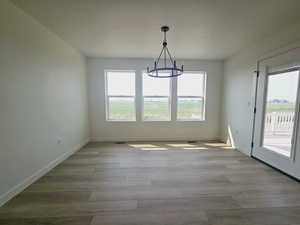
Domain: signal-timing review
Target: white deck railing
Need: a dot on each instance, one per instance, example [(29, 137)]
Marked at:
[(279, 122)]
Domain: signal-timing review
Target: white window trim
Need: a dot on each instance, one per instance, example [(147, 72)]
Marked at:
[(194, 96), (106, 71), (157, 96)]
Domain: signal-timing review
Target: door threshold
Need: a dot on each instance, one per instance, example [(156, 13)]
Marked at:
[(279, 170)]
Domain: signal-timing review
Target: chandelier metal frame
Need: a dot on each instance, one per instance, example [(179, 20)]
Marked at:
[(168, 67)]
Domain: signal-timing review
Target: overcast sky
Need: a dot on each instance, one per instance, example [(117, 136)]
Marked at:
[(283, 86)]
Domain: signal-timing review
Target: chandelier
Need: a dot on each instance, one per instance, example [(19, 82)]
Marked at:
[(165, 66)]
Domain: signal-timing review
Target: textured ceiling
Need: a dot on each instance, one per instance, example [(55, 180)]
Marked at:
[(204, 29)]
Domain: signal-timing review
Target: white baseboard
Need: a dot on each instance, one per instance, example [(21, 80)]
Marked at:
[(34, 177), (113, 139)]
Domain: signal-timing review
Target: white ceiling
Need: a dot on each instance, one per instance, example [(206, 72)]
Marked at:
[(204, 29)]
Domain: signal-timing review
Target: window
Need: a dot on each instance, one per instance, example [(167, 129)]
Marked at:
[(120, 96), (280, 111), (156, 98), (191, 96), (155, 93)]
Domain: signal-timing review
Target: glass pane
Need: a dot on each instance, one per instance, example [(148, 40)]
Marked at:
[(280, 112), (156, 108), (121, 108), (156, 86), (191, 84), (121, 83), (190, 109)]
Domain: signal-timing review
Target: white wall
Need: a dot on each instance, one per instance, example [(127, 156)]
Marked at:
[(42, 100), (102, 130), (238, 88)]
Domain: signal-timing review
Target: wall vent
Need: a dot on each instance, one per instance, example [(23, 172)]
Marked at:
[(120, 142)]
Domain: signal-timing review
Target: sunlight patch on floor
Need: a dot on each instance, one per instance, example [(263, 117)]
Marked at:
[(227, 147), (195, 148), (178, 146), (215, 144), (154, 149), (143, 146), (181, 145)]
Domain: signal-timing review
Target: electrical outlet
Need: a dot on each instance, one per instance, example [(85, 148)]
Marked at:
[(59, 141)]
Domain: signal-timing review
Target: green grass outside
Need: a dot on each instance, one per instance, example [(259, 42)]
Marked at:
[(189, 110), (120, 110), (156, 111)]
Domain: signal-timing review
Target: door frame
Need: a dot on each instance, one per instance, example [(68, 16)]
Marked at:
[(296, 116), (255, 97)]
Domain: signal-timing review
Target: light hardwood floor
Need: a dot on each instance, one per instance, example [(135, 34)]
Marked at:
[(157, 183)]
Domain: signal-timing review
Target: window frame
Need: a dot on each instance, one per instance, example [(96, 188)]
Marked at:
[(107, 96), (169, 97), (204, 74)]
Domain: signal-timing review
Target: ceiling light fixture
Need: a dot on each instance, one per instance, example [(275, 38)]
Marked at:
[(166, 66)]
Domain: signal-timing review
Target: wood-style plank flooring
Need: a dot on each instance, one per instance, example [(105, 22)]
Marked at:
[(157, 183)]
